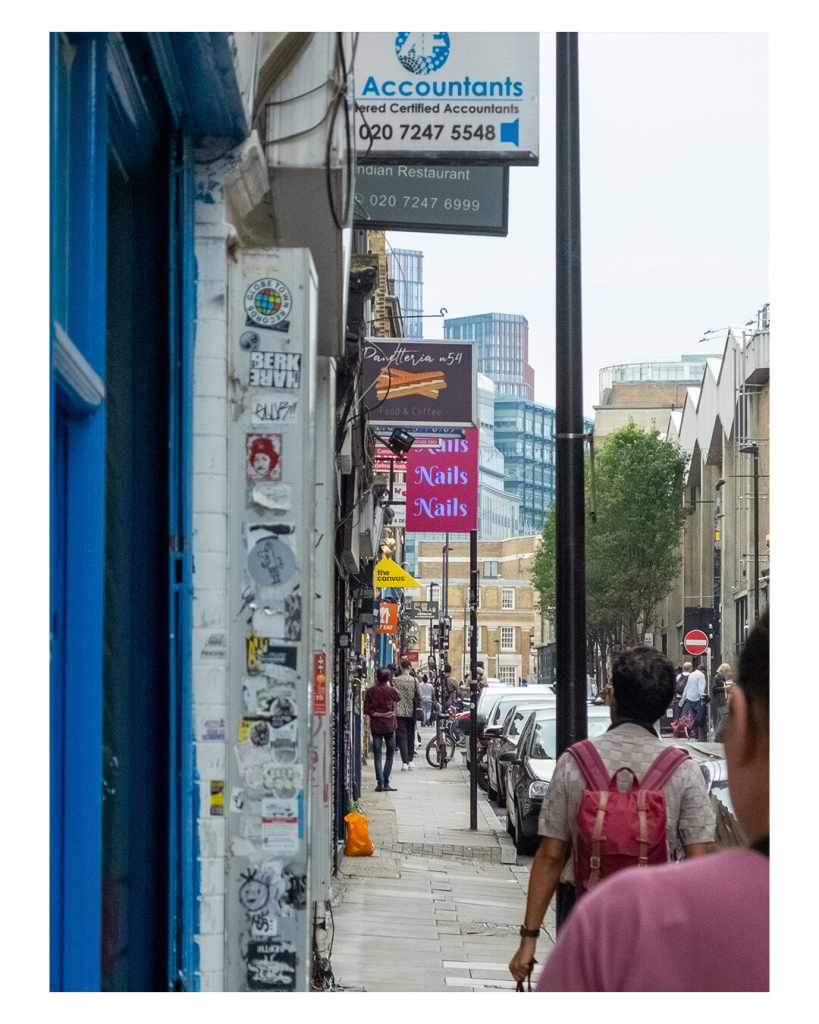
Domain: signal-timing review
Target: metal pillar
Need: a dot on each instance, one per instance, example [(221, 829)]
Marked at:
[(570, 554), (473, 680)]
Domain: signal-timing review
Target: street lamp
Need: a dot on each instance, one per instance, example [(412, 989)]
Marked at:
[(753, 449)]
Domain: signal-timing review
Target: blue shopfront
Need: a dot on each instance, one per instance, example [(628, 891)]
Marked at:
[(127, 111)]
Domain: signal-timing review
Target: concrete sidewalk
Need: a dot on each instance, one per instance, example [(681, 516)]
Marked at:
[(437, 907)]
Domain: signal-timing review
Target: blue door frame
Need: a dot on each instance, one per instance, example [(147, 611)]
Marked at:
[(77, 217), (194, 94)]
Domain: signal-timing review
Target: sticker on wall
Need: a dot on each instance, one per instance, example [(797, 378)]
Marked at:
[(267, 304), (271, 559), (215, 648), (260, 692), (271, 966), (237, 799), (263, 657), (267, 412), (217, 799), (319, 683), (283, 780), (280, 370), (273, 496), (280, 826), (263, 458), (210, 728)]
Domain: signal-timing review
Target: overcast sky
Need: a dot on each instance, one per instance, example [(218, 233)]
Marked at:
[(674, 206)]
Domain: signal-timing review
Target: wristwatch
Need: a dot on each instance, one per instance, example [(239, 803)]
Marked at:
[(529, 933)]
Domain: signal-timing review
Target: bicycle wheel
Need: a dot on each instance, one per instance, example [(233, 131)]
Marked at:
[(432, 752)]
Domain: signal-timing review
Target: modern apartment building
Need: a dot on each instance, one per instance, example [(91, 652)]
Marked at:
[(503, 349)]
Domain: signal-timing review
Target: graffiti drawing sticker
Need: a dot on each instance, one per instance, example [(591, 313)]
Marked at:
[(271, 966), (263, 458), (267, 304), (271, 562)]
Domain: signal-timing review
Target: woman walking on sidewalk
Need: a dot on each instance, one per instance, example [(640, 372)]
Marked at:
[(379, 704), (408, 689)]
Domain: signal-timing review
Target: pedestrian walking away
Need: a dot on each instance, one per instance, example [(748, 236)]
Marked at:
[(451, 688), (427, 692), (408, 690), (719, 695), (693, 698), (641, 931), (673, 808), (379, 704), (682, 679)]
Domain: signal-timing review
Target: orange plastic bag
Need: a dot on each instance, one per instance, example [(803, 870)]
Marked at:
[(358, 842)]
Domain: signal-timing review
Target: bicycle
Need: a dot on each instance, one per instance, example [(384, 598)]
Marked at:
[(441, 748)]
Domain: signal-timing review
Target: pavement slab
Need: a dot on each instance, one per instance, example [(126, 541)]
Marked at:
[(439, 906)]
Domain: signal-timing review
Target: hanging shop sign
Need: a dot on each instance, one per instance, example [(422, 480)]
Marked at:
[(442, 486), (443, 200), (412, 384), (447, 97), (421, 609), (387, 617), (390, 574)]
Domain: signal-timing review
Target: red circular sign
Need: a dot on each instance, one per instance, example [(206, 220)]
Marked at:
[(695, 642)]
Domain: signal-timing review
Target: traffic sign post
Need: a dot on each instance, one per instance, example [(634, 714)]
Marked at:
[(695, 642)]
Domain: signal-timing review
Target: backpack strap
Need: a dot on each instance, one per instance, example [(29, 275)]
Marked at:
[(663, 768), (590, 764)]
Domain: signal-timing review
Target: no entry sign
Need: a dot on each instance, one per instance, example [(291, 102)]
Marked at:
[(695, 642)]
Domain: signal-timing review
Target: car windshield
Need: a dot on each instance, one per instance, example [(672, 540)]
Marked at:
[(544, 742)]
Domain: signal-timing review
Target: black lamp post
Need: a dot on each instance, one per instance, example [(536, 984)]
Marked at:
[(753, 449)]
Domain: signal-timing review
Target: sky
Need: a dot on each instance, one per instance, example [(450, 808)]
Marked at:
[(674, 206)]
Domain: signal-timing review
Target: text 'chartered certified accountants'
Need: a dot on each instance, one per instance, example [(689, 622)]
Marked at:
[(459, 97)]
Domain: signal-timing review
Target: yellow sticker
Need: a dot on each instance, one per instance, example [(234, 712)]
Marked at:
[(217, 798), (244, 725)]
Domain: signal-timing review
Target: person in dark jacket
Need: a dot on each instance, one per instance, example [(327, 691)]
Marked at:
[(379, 704), (722, 676)]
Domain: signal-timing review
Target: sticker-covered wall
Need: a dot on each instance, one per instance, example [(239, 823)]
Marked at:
[(270, 525), (209, 545)]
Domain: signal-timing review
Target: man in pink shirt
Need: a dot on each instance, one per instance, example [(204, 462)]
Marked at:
[(650, 929)]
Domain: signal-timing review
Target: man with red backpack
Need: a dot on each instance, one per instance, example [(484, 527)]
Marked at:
[(625, 798)]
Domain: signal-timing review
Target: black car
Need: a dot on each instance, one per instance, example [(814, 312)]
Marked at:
[(511, 730), (495, 710), (531, 765)]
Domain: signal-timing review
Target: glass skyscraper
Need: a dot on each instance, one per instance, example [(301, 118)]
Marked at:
[(503, 349), (406, 268), (525, 435)]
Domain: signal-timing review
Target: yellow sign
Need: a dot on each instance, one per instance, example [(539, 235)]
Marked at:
[(390, 574)]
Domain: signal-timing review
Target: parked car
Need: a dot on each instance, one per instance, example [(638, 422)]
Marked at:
[(516, 718), (492, 713), (531, 765)]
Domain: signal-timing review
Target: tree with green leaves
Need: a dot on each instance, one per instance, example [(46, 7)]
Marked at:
[(634, 517)]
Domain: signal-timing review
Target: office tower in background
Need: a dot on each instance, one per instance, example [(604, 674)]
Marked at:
[(503, 349), (406, 268)]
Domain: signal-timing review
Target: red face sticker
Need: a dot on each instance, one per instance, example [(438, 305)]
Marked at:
[(263, 457)]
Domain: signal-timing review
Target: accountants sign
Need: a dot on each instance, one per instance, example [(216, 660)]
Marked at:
[(447, 97)]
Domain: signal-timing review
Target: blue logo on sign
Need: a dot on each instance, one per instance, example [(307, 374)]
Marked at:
[(422, 52)]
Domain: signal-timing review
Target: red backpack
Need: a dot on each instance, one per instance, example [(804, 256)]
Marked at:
[(619, 830)]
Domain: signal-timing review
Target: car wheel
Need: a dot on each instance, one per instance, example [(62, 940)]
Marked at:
[(522, 844)]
